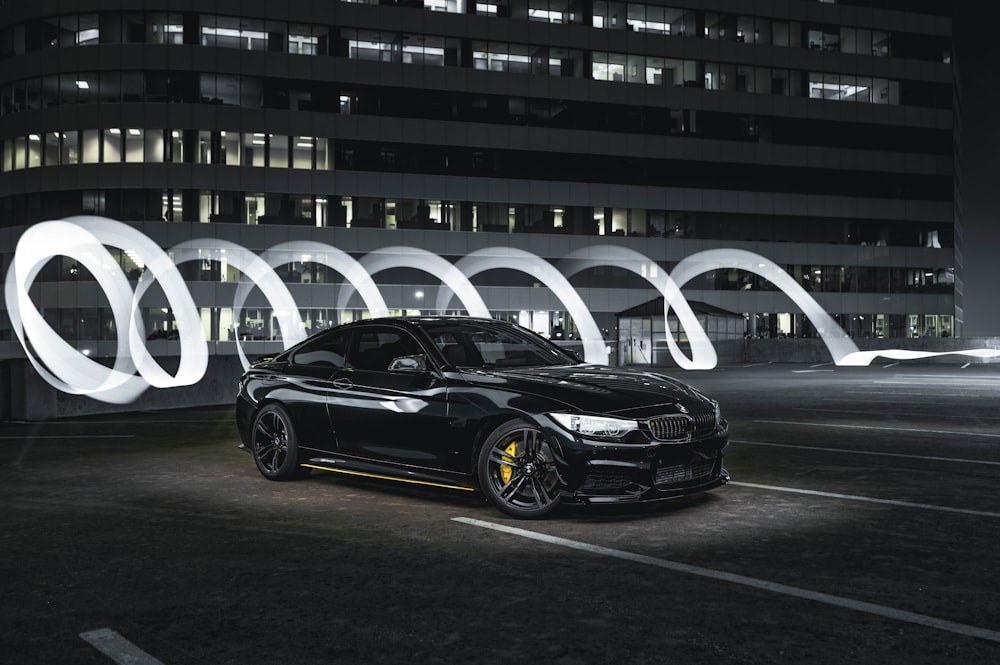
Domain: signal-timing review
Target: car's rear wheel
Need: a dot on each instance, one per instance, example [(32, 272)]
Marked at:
[(275, 448), (517, 471)]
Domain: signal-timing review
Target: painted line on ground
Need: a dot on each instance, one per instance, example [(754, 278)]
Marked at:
[(70, 436), (868, 499), (952, 377), (965, 417), (742, 580), (931, 458), (72, 423), (117, 648), (872, 427), (931, 381)]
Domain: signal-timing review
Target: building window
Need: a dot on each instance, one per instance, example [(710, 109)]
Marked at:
[(112, 152), (88, 30), (278, 151), (649, 18), (233, 32), (428, 50), (608, 66), (254, 149), (549, 11), (450, 6), (303, 149), (34, 150), (175, 147), (845, 87), (165, 29), (307, 39), (91, 146), (229, 148), (171, 205), (371, 45), (154, 146), (50, 149), (488, 9), (500, 57)]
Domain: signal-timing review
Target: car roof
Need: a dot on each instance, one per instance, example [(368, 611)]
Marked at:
[(430, 318)]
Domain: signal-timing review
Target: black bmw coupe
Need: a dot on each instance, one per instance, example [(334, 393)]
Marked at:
[(478, 404)]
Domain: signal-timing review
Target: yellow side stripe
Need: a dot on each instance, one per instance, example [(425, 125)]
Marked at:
[(381, 477)]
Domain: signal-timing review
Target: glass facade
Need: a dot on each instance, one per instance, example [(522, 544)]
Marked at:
[(820, 139)]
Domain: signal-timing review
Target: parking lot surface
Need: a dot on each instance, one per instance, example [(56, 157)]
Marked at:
[(861, 526)]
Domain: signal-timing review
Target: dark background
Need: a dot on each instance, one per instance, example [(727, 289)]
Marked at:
[(976, 61)]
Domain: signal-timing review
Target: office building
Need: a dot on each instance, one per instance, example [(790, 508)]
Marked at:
[(564, 154)]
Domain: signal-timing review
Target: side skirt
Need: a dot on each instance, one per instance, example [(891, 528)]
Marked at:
[(353, 467)]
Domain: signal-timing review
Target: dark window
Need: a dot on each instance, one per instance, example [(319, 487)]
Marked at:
[(373, 349), (323, 350)]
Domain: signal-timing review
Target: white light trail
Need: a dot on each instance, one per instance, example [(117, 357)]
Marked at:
[(258, 272), (703, 354), (511, 258), (86, 238), (429, 262), (840, 345)]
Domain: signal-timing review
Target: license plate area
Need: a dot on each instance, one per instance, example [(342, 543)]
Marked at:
[(678, 474)]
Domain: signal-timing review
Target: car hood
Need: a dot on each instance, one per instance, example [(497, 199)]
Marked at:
[(600, 389)]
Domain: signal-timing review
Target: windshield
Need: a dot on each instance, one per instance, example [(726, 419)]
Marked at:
[(485, 345)]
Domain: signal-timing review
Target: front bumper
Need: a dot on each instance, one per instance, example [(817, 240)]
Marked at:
[(599, 472)]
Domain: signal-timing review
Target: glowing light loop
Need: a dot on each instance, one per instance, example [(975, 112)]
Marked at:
[(836, 340), (86, 239), (703, 355), (594, 349), (194, 350), (257, 273), (64, 367), (421, 259)]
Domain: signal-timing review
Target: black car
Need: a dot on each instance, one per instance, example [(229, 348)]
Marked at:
[(478, 404)]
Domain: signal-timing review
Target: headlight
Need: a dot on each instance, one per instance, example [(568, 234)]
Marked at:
[(595, 426)]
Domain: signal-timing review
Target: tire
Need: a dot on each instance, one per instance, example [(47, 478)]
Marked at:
[(274, 446), (517, 472)]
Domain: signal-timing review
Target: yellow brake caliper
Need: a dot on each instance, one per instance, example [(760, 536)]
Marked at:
[(507, 470)]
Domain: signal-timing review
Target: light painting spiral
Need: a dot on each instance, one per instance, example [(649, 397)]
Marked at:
[(86, 239)]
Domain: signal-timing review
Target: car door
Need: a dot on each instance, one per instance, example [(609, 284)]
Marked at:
[(306, 385), (394, 416)]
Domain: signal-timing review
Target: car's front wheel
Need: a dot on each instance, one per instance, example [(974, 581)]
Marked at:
[(517, 471), (275, 448)]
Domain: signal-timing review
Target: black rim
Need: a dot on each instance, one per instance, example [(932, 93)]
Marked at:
[(521, 471), (270, 442)]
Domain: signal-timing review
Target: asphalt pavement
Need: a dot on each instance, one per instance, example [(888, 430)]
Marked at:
[(861, 526)]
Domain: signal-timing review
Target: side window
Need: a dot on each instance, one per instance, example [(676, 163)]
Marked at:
[(454, 351), (374, 349), (324, 351)]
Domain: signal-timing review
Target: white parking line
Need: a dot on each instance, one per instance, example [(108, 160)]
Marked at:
[(848, 451), (872, 427), (931, 381), (71, 436), (944, 377), (764, 585), (117, 648), (868, 499)]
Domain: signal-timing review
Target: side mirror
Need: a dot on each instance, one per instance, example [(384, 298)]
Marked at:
[(417, 364)]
